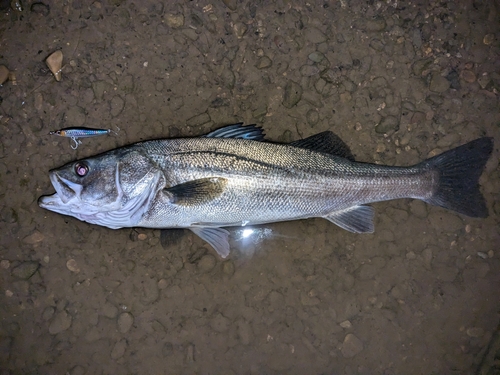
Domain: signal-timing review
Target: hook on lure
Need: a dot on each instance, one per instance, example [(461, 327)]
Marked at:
[(75, 133)]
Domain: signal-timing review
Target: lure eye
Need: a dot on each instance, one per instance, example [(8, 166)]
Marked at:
[(81, 169)]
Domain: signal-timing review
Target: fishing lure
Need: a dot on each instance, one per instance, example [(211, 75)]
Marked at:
[(75, 133)]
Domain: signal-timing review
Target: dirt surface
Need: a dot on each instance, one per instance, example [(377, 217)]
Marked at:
[(399, 81)]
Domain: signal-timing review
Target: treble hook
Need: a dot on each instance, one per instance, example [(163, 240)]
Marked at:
[(77, 143)]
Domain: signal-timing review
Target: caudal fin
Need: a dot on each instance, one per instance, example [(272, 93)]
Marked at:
[(459, 171)]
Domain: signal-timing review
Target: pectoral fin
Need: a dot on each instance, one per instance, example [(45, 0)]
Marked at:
[(216, 237), (196, 191), (356, 219)]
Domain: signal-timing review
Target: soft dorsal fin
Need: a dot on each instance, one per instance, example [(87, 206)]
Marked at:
[(238, 131), (326, 142), (196, 191)]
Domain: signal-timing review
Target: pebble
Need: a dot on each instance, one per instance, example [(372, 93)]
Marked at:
[(48, 313), (5, 264), (119, 349), (351, 346), (231, 4), (162, 283), (77, 370), (4, 74), (387, 125), (25, 270), (228, 268), (109, 310), (264, 62), (444, 221), (34, 238), (72, 266), (40, 8), (475, 332), (116, 105), (346, 324), (174, 20), (206, 263), (198, 120), (314, 35), (468, 76), (309, 70), (125, 321), (292, 94), (54, 62), (489, 39), (438, 83), (62, 321), (316, 56), (376, 24), (219, 323), (312, 117)]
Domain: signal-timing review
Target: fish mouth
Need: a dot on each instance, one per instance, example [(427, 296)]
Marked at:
[(65, 189)]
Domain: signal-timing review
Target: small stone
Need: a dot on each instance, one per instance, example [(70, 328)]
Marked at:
[(119, 349), (475, 332), (62, 321), (116, 105), (491, 254), (109, 310), (264, 62), (489, 39), (125, 321), (198, 120), (376, 24), (309, 70), (40, 8), (312, 117), (162, 284), (206, 263), (48, 313), (315, 35), (77, 370), (25, 270), (316, 56), (54, 62), (34, 238), (240, 29), (231, 4), (174, 20), (439, 83), (346, 324), (219, 323), (72, 266), (468, 76), (228, 268), (4, 74), (142, 236), (292, 94), (351, 346), (410, 255), (5, 264), (387, 125)]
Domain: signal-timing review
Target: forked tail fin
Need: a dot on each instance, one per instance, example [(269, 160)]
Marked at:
[(459, 171)]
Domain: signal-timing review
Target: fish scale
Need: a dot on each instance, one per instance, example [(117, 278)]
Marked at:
[(212, 182)]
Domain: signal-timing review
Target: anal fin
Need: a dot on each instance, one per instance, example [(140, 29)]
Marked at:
[(216, 237), (356, 219)]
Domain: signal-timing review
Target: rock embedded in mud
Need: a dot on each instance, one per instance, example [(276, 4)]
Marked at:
[(206, 263), (62, 321), (109, 310), (312, 117), (264, 62), (125, 322), (292, 94), (54, 62), (40, 8), (468, 76), (116, 105), (25, 270), (387, 125), (4, 74), (174, 20), (119, 349), (371, 25), (314, 35), (351, 346), (219, 323), (34, 238), (438, 83)]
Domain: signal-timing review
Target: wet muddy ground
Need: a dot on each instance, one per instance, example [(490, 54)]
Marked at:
[(399, 81)]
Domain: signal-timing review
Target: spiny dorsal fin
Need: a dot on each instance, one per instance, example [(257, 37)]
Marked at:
[(238, 131), (196, 191), (326, 142)]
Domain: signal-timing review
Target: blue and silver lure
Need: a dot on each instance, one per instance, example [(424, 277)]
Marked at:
[(75, 133)]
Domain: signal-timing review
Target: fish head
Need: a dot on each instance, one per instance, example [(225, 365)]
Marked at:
[(113, 189)]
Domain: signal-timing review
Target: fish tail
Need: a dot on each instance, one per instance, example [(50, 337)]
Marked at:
[(459, 171)]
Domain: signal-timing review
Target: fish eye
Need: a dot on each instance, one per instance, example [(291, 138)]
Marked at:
[(81, 169)]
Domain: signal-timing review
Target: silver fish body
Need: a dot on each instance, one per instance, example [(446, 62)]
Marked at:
[(232, 178)]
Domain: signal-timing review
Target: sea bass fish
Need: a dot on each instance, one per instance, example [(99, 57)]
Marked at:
[(232, 177)]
